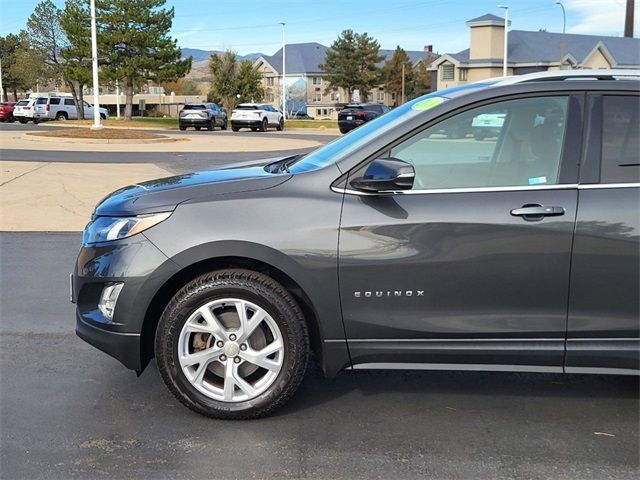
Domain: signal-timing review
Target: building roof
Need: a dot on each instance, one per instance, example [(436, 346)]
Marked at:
[(306, 58), (543, 48), (527, 47)]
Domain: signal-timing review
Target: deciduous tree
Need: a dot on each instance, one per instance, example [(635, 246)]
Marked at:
[(233, 82)]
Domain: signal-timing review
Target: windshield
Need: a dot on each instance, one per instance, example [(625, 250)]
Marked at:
[(340, 148)]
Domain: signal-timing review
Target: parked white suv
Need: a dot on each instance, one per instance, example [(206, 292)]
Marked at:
[(61, 107), (256, 116), (24, 111)]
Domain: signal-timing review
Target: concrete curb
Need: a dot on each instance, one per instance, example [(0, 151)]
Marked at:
[(41, 138)]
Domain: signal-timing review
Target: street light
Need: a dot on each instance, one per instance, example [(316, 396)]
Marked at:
[(284, 92), (506, 38), (564, 30), (94, 60)]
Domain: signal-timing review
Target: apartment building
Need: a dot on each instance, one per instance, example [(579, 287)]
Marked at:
[(529, 52), (306, 83)]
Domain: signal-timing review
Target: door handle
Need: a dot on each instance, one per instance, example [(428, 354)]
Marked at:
[(537, 212)]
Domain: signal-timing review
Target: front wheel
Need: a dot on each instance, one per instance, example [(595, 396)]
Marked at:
[(224, 124), (232, 344), (280, 126), (264, 125)]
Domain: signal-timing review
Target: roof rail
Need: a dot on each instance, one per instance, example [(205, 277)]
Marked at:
[(561, 75)]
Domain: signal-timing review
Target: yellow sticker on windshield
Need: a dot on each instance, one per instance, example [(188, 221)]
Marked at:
[(427, 103)]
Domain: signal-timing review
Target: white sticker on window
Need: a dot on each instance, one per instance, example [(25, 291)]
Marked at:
[(537, 180)]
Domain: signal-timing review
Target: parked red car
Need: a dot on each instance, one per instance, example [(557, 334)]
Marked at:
[(6, 111)]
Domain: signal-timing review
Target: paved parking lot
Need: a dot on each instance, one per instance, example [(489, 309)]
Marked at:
[(70, 411)]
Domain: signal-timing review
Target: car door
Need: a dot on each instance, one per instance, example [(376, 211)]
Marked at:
[(604, 313), (470, 267), (70, 108)]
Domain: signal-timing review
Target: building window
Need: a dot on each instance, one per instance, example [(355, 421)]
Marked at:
[(447, 72), (318, 112), (462, 74), (317, 81), (317, 97), (269, 81), (270, 97), (380, 96)]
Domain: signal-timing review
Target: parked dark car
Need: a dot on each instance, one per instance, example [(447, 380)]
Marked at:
[(352, 116), (301, 116), (202, 115), (389, 248), (6, 112)]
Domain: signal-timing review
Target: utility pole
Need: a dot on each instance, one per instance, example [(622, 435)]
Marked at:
[(117, 100), (284, 75), (94, 60), (628, 19), (506, 38), (403, 82)]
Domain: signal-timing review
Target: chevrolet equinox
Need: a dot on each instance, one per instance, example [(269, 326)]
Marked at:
[(402, 245)]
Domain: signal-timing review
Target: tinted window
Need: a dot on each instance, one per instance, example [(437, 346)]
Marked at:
[(22, 103), (41, 101), (194, 107), (54, 101), (69, 101), (620, 140), (247, 107), (511, 143)]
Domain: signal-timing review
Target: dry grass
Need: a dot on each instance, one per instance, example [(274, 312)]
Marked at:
[(102, 134)]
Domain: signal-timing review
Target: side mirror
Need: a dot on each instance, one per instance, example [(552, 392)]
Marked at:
[(385, 174)]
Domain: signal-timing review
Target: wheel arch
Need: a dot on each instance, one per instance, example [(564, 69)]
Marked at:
[(171, 286)]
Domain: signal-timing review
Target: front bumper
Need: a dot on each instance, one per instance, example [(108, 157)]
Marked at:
[(143, 269), (194, 121), (246, 123)]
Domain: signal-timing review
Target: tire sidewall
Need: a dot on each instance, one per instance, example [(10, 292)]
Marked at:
[(286, 318)]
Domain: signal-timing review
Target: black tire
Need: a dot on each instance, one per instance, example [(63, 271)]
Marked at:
[(344, 130), (61, 117), (103, 116), (36, 121), (264, 125), (225, 124), (198, 128), (211, 125), (254, 129), (280, 126), (11, 119), (23, 120), (252, 287), (182, 127), (235, 129)]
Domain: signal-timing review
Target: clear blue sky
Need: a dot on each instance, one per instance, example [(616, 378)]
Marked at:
[(252, 26)]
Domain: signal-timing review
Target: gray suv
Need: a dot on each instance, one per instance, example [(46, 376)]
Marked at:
[(393, 247)]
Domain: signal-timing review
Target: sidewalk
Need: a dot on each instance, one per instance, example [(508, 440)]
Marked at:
[(60, 197), (205, 142)]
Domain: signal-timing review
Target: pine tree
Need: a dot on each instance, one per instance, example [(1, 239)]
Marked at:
[(392, 74), (75, 21), (351, 61), (134, 37), (422, 78)]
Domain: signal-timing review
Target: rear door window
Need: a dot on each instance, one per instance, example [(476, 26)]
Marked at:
[(620, 139), (41, 101), (54, 101), (69, 102)]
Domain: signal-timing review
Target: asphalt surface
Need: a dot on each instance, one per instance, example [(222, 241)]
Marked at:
[(70, 411), (175, 162)]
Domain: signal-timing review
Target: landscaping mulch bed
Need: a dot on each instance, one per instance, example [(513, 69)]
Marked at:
[(102, 134)]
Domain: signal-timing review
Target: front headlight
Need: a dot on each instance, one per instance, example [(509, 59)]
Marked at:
[(106, 229)]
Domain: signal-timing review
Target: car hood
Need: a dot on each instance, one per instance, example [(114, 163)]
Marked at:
[(164, 194)]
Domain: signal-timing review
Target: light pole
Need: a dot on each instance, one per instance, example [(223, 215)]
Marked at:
[(284, 74), (506, 38), (94, 60), (564, 30)]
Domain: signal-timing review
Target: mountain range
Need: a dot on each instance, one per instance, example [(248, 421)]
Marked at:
[(203, 55)]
